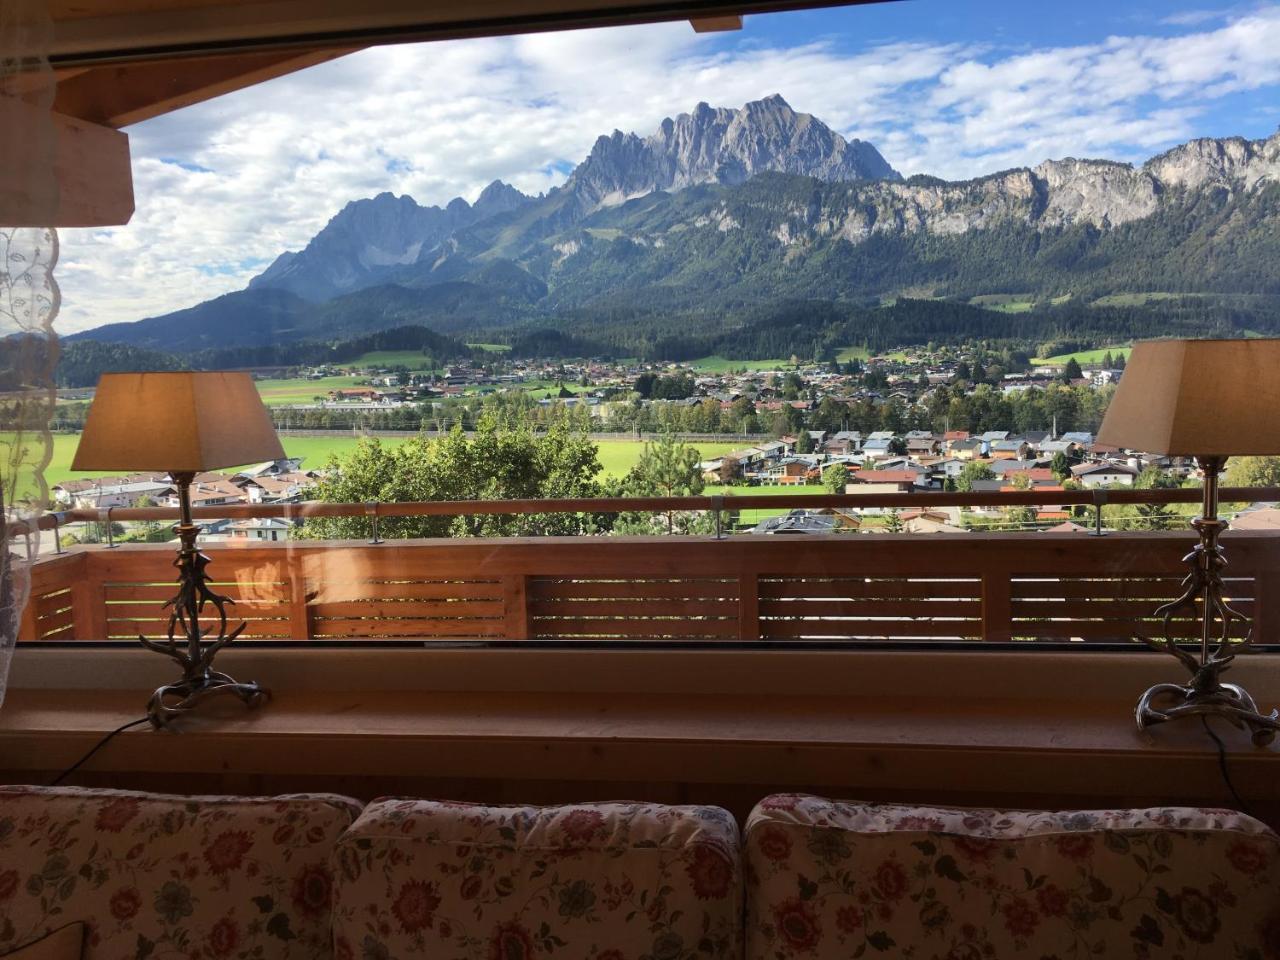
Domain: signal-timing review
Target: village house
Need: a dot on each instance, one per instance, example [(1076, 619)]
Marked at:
[(939, 520), (258, 530), (967, 449), (1009, 449), (1093, 475), (107, 493), (882, 481), (207, 492)]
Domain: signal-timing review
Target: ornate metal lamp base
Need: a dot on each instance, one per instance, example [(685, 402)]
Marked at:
[(191, 646), (173, 700), (1228, 700), (1203, 598)]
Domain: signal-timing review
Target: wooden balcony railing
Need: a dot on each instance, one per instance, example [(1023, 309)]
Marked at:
[(828, 589)]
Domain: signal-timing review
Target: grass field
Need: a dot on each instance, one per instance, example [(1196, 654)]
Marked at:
[(491, 347), (723, 365), (283, 392), (1085, 357), (413, 360), (1135, 299), (1005, 302), (616, 456), (845, 354)]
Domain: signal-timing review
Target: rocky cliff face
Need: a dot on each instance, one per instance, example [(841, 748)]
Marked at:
[(1056, 193), (368, 239), (1232, 162), (719, 145)]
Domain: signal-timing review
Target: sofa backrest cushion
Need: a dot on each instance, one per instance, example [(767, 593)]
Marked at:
[(165, 876), (595, 881), (832, 879)]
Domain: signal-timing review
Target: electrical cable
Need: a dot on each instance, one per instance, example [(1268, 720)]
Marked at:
[(1222, 766), (96, 747)]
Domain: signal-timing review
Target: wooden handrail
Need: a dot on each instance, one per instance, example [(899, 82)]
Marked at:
[(729, 501)]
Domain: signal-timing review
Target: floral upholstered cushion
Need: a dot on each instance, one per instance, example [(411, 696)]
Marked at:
[(603, 881), (160, 877), (828, 879)]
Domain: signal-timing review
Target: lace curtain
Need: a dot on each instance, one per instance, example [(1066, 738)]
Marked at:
[(28, 302)]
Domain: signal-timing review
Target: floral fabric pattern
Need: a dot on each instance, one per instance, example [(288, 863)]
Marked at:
[(829, 879), (156, 877), (604, 881)]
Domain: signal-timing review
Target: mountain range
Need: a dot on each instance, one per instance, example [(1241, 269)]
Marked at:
[(722, 216)]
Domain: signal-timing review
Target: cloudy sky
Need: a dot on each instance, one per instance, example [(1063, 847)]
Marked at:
[(953, 89)]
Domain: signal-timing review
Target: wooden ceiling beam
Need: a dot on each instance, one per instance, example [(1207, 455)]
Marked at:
[(117, 96), (77, 177), (716, 24), (119, 31)]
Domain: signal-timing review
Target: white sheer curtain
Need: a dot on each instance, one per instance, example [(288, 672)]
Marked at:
[(28, 300)]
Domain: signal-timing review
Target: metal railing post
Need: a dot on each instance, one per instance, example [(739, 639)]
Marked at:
[(1099, 501), (717, 501), (371, 509)]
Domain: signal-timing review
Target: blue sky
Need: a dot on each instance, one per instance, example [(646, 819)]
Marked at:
[(954, 88)]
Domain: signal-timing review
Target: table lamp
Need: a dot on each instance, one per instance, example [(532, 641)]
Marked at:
[(182, 424), (1207, 399)]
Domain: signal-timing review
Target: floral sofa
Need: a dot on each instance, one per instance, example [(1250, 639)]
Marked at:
[(607, 881), (829, 879), (317, 876), (157, 876)]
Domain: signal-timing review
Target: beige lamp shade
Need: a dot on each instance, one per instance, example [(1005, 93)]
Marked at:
[(176, 422), (1205, 398)]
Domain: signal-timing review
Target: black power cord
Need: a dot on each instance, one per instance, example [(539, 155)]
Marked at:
[(1222, 765), (96, 747)]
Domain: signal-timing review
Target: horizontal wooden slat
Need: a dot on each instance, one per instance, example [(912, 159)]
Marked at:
[(160, 592), (1106, 629), (157, 630), (1130, 588), (645, 607), (51, 603), (54, 622), (1107, 609), (861, 587), (633, 589), (869, 628), (348, 609), (57, 572), (330, 591), (406, 628), (63, 635), (914, 608), (240, 610), (586, 626)]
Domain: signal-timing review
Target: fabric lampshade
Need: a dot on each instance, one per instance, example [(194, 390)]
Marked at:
[(1198, 398), (176, 422)]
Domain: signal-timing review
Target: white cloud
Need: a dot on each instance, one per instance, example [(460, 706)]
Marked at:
[(224, 187)]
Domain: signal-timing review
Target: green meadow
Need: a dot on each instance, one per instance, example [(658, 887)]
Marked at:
[(294, 391), (1005, 302), (724, 365), (414, 361), (1085, 357)]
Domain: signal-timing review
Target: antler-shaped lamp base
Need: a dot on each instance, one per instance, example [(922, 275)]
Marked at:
[(189, 644), (1206, 694)]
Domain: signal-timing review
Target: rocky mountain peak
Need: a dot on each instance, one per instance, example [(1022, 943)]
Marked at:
[(721, 145), (1228, 162), (499, 197)]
